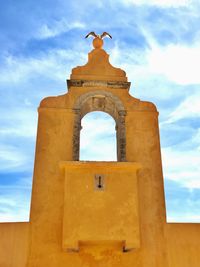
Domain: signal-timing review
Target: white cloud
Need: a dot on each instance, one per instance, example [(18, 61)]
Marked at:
[(15, 209), (15, 200), (189, 108), (187, 217), (57, 28), (177, 62), (51, 65), (12, 158), (160, 73), (196, 139), (19, 123), (17, 136), (182, 166), (160, 3), (7, 201), (14, 215)]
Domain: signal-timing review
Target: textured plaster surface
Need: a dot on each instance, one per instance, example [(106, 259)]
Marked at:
[(84, 202), (14, 244)]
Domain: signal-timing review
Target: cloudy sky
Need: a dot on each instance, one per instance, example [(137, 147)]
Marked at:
[(157, 43)]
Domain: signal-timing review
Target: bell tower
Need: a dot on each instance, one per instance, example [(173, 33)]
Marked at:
[(87, 213)]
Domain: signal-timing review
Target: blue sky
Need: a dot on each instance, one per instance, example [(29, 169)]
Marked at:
[(156, 42)]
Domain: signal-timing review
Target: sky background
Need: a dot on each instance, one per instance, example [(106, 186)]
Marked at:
[(156, 42)]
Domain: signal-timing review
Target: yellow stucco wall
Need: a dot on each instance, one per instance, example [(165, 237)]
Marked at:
[(183, 244), (182, 241), (44, 241), (100, 215), (54, 144), (14, 244)]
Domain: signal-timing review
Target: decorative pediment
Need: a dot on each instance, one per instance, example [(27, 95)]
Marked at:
[(98, 67)]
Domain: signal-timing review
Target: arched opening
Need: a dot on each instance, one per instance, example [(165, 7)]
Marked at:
[(98, 137), (100, 101)]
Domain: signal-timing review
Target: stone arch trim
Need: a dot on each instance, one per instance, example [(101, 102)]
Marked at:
[(100, 100), (98, 94)]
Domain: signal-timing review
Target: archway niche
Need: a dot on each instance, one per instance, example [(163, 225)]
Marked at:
[(100, 101)]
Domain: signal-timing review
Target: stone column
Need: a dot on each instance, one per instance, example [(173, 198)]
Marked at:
[(76, 134), (121, 136)]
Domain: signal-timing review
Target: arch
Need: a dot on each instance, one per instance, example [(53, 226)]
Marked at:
[(98, 143), (100, 100)]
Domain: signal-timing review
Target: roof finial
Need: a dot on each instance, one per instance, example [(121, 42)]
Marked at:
[(98, 40)]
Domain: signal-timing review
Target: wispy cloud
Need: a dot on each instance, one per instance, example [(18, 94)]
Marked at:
[(17, 123), (17, 138), (15, 198), (50, 65), (57, 28), (163, 3), (188, 108), (186, 217), (183, 203), (14, 205), (182, 166), (175, 61), (13, 158)]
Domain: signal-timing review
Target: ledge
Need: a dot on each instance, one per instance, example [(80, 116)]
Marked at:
[(100, 164), (98, 83)]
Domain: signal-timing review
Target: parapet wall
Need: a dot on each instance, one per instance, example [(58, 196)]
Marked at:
[(14, 244), (183, 245)]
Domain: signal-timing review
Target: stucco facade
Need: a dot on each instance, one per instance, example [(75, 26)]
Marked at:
[(74, 221)]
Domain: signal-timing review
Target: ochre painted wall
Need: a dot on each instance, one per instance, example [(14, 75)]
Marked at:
[(14, 244), (183, 244), (54, 144), (100, 215)]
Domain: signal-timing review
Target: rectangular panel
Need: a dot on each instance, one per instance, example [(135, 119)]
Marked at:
[(100, 204)]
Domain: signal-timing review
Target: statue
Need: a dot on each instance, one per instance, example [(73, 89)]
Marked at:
[(98, 40)]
